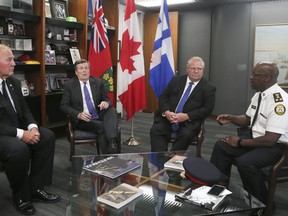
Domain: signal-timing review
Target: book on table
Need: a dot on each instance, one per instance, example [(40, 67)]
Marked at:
[(175, 163), (120, 195), (200, 197), (112, 167)]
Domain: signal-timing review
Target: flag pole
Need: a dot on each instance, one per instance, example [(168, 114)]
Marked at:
[(132, 141)]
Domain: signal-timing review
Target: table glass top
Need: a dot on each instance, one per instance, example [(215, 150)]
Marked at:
[(159, 187)]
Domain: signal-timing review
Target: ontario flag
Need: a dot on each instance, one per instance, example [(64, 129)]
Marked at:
[(131, 87), (99, 50)]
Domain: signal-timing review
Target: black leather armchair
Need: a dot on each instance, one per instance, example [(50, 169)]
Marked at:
[(79, 137)]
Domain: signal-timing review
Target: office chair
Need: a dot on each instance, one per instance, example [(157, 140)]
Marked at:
[(197, 140), (276, 173), (79, 137)]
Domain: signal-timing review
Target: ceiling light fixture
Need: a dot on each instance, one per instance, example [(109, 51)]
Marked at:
[(157, 3)]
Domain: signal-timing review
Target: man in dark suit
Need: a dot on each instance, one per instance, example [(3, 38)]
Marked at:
[(26, 150), (180, 115), (85, 100)]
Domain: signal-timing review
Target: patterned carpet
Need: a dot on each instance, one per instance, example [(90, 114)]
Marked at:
[(141, 125)]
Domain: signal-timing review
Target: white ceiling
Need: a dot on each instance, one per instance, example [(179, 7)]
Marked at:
[(198, 4)]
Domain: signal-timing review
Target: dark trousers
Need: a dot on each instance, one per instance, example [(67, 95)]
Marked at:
[(248, 161), (106, 127), (28, 167), (160, 134)]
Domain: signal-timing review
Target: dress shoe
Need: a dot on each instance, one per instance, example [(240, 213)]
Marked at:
[(42, 196), (112, 148), (25, 208)]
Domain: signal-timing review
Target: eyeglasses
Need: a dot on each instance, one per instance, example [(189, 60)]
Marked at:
[(194, 69), (82, 68), (258, 74)]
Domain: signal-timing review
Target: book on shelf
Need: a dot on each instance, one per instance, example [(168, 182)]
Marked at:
[(112, 167), (200, 197), (120, 195), (175, 163)]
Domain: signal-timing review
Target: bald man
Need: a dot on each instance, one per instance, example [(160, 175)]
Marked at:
[(267, 118)]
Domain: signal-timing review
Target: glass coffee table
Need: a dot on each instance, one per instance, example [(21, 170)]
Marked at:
[(159, 187)]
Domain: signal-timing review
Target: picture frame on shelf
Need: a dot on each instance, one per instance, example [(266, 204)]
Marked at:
[(60, 81), (9, 43), (59, 9), (53, 80), (27, 44), (75, 54), (19, 44), (48, 13), (22, 6), (50, 58), (47, 84)]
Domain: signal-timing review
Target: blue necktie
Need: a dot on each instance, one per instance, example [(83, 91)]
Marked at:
[(89, 103), (13, 113), (180, 106)]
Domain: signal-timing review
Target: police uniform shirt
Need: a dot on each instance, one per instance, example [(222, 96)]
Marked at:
[(273, 113)]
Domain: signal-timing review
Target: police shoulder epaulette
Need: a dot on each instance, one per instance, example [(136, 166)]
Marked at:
[(277, 97)]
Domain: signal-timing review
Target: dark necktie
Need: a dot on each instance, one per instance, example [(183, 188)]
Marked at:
[(180, 106), (257, 110), (12, 111), (89, 103)]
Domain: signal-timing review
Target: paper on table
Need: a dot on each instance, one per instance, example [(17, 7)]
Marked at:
[(200, 196)]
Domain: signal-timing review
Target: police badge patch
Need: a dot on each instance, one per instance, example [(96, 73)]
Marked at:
[(280, 109)]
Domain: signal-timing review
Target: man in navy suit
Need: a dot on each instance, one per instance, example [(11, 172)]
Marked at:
[(184, 117), (99, 118), (26, 150)]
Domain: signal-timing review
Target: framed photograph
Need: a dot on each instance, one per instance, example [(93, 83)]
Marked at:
[(75, 54), (27, 44), (60, 81), (271, 45), (48, 9), (59, 9), (47, 84), (9, 43), (19, 44), (22, 6), (50, 58)]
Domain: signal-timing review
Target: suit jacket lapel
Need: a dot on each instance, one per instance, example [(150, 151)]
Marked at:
[(93, 90), (196, 89), (78, 91), (14, 97), (182, 83)]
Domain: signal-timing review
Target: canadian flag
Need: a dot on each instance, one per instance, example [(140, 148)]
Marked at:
[(131, 87)]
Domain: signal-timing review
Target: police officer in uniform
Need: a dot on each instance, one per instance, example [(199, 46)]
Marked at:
[(267, 117)]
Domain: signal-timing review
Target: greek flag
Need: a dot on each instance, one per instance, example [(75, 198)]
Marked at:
[(162, 61)]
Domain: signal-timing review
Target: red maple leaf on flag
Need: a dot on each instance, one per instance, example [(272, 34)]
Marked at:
[(126, 60)]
